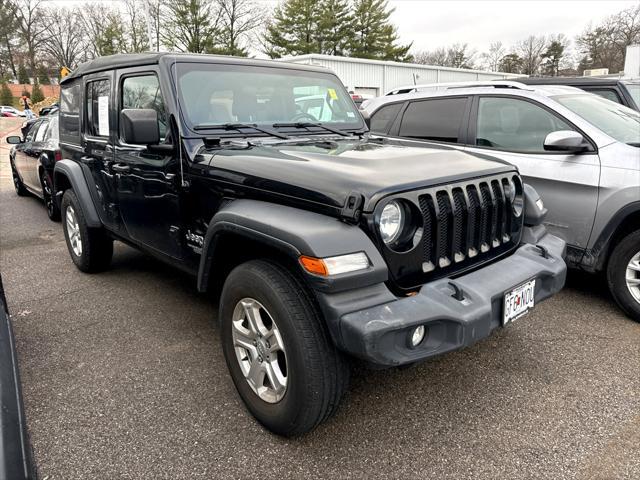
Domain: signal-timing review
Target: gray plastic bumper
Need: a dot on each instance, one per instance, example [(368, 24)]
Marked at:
[(380, 334)]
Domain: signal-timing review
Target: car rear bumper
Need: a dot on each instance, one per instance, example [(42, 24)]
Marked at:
[(380, 334)]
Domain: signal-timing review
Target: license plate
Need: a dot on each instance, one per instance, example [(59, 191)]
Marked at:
[(518, 301)]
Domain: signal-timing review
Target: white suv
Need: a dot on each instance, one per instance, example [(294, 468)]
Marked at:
[(578, 150)]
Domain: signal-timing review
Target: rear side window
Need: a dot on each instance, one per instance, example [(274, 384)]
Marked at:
[(144, 92), (52, 131), (438, 119), (70, 112), (98, 108), (382, 119), (607, 93), (41, 131), (515, 125)]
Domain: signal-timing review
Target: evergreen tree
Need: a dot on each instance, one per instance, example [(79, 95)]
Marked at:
[(374, 36), (5, 95), (23, 75), (43, 76), (36, 93), (511, 63), (193, 26), (293, 30), (335, 27), (552, 57)]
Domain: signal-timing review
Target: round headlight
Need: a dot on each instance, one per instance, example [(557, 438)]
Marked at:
[(391, 222)]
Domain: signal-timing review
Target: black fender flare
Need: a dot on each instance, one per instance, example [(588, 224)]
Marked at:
[(73, 173), (596, 258), (293, 232)]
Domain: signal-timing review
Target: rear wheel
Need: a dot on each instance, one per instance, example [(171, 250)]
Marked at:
[(21, 190), (53, 211), (623, 275), (282, 362), (90, 248)]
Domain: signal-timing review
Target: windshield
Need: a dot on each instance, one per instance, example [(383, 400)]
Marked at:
[(617, 121), (214, 94), (634, 90)]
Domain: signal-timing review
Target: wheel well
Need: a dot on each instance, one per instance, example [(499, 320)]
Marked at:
[(232, 249), (61, 182), (629, 224)]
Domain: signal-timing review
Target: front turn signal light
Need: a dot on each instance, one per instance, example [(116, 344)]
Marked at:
[(335, 265)]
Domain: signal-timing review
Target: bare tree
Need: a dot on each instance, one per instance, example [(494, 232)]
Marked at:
[(238, 18), (7, 37), (433, 57), (104, 30), (492, 58), (137, 26), (33, 27), (67, 43), (155, 10), (530, 51), (459, 56)]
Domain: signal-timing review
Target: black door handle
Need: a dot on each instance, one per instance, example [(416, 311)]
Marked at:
[(120, 168)]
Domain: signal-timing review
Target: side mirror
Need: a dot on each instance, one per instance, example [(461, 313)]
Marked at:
[(565, 141), (139, 126), (367, 118), (14, 140)]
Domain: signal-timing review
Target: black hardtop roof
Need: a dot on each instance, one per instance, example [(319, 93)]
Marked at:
[(570, 81), (123, 60)]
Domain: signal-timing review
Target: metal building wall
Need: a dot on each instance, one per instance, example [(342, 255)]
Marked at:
[(362, 74)]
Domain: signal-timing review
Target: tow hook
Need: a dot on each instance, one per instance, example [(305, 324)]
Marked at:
[(458, 293)]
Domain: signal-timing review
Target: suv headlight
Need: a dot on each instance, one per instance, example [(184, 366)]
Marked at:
[(513, 193), (391, 222)]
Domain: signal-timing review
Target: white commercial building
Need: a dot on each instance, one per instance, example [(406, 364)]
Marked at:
[(377, 77)]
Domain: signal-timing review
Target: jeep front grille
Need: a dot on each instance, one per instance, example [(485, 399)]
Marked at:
[(463, 225)]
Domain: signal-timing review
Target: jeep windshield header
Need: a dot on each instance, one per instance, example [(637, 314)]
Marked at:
[(213, 96)]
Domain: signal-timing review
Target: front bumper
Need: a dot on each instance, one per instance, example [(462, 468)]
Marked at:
[(379, 334)]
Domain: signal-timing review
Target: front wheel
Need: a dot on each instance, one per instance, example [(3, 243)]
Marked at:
[(282, 362), (623, 275), (90, 248)]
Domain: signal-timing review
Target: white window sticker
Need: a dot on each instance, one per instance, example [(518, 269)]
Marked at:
[(103, 116)]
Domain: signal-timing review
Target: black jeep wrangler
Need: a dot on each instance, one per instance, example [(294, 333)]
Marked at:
[(324, 243)]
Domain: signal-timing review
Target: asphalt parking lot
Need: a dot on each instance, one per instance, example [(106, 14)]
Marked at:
[(123, 377)]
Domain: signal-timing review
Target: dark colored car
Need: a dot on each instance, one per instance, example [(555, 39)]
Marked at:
[(16, 461), (625, 92), (32, 160), (322, 243), (26, 126)]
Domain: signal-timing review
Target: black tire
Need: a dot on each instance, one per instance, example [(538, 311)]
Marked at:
[(619, 261), (96, 247), (21, 190), (317, 373), (53, 211)]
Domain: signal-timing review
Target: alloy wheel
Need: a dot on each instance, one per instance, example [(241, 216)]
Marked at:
[(73, 231), (259, 350), (633, 277)]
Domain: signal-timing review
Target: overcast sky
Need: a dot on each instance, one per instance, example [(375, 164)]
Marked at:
[(433, 23)]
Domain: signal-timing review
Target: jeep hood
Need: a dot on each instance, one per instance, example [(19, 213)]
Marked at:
[(329, 175)]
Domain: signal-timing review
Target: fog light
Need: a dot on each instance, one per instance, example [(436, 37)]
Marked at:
[(417, 335)]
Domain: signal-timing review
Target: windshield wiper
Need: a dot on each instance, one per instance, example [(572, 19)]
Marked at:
[(311, 124), (634, 144), (239, 126)]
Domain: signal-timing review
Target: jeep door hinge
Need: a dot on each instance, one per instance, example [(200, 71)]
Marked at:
[(351, 210)]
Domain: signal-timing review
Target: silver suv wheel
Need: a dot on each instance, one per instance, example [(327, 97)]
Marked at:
[(73, 230), (633, 277), (259, 350)]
